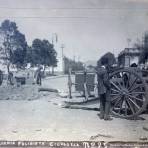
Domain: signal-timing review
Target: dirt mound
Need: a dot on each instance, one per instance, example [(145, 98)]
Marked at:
[(24, 92)]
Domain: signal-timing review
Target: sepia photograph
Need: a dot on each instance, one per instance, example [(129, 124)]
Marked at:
[(74, 73)]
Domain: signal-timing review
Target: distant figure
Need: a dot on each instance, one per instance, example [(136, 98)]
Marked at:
[(28, 75), (104, 88), (1, 77), (38, 76), (10, 78)]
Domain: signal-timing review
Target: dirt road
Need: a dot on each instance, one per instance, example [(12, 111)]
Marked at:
[(43, 118)]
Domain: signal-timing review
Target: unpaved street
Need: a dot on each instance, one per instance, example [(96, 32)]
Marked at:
[(43, 118)]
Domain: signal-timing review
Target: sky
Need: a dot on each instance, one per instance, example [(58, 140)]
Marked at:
[(87, 28)]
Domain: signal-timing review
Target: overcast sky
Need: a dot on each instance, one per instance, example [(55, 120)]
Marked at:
[(87, 28)]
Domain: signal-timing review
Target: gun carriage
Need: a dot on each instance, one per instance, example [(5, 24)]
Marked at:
[(129, 91)]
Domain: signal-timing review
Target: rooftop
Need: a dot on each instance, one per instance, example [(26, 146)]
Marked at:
[(130, 52)]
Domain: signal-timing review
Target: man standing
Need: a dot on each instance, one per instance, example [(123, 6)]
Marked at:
[(10, 78), (38, 76), (103, 87), (1, 77)]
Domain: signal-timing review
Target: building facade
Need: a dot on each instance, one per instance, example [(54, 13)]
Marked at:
[(128, 56)]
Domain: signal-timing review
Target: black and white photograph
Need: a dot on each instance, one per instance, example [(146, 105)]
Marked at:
[(74, 73)]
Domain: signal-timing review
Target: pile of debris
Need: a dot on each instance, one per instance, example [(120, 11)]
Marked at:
[(25, 92)]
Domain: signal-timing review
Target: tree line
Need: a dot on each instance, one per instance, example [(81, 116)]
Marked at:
[(73, 65), (14, 49)]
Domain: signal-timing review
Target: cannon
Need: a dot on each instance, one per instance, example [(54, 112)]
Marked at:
[(129, 90)]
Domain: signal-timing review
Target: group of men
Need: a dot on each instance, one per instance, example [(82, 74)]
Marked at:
[(37, 77)]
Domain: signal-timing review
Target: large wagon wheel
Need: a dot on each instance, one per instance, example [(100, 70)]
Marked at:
[(1, 77), (129, 95)]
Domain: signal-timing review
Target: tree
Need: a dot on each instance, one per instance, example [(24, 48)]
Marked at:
[(53, 59), (19, 54), (110, 56), (14, 44), (75, 66), (29, 55), (43, 53)]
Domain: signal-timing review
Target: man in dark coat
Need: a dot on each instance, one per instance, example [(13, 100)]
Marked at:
[(104, 88), (10, 78), (1, 77), (38, 76)]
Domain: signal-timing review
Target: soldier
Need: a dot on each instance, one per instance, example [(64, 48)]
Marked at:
[(1, 77), (10, 78), (103, 87), (38, 76)]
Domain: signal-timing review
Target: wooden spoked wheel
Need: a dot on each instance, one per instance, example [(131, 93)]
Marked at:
[(129, 95)]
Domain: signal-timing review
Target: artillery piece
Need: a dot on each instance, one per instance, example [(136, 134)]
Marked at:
[(129, 91)]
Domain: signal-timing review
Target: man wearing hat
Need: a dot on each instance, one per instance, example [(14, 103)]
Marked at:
[(38, 76), (103, 87)]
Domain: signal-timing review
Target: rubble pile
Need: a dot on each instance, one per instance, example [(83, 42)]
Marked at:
[(24, 92)]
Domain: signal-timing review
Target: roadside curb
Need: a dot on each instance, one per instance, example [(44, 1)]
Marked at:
[(54, 77)]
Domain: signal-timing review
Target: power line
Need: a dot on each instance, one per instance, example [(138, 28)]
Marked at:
[(55, 17), (80, 18), (46, 17), (73, 8), (63, 66)]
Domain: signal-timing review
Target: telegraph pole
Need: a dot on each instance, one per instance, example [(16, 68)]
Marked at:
[(54, 38), (78, 58), (128, 42), (63, 67)]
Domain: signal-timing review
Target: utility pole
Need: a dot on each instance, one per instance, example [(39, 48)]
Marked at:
[(74, 58), (54, 38), (128, 42), (63, 67), (78, 58)]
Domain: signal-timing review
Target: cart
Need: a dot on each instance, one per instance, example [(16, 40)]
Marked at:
[(129, 91), (84, 83)]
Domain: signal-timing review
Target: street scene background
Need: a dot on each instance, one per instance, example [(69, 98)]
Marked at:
[(45, 43)]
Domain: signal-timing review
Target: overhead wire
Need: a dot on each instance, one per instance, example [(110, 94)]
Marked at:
[(64, 8), (75, 8)]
